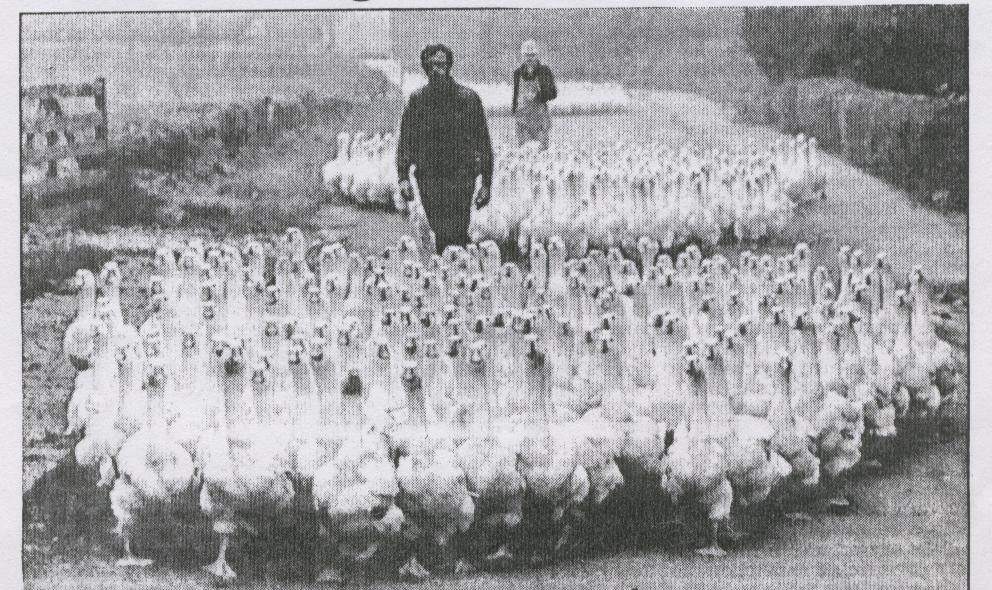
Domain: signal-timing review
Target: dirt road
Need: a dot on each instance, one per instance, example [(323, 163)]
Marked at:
[(909, 529)]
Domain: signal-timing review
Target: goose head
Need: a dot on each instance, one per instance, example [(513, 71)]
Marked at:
[(233, 356), (290, 328), (273, 295), (477, 354), (344, 141), (327, 258), (317, 348), (84, 283), (455, 345), (165, 261), (916, 277), (693, 367), (411, 346), (261, 370), (155, 374), (410, 378), (382, 352), (314, 295), (297, 350), (803, 321)]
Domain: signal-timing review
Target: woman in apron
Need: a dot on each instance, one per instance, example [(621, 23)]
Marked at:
[(533, 87)]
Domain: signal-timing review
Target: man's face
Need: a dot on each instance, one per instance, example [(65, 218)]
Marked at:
[(437, 66), (530, 59)]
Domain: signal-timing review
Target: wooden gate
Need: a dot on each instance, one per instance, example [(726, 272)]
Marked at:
[(61, 151)]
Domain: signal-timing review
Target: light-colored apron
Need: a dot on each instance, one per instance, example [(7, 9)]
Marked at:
[(533, 120)]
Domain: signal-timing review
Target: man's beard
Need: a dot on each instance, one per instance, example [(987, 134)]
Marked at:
[(438, 78)]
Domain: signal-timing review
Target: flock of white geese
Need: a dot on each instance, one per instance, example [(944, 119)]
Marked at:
[(598, 197), (453, 400), (575, 97)]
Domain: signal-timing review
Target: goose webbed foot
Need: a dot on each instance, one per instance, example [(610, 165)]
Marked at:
[(713, 549), (463, 567), (871, 465), (412, 570), (330, 575), (130, 559), (502, 556), (219, 570), (838, 499), (798, 517)]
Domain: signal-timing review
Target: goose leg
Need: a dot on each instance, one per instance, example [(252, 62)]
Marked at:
[(124, 502), (463, 567), (839, 500), (731, 533), (713, 549), (564, 537), (328, 573), (219, 569), (451, 551), (130, 559)]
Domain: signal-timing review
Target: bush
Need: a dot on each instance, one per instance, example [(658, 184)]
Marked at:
[(47, 268), (247, 210), (170, 151), (943, 156), (917, 142), (116, 202), (909, 49)]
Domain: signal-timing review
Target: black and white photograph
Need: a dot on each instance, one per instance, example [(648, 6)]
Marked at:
[(508, 296)]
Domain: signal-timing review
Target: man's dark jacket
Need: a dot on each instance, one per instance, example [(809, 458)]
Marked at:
[(444, 132), (545, 80)]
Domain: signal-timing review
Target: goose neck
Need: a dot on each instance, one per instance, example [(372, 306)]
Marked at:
[(698, 410), (539, 391), (325, 377), (233, 392), (780, 412), (155, 406), (416, 403), (87, 301), (478, 390)]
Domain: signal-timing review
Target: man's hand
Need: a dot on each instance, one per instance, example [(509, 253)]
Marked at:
[(406, 190), (482, 197)]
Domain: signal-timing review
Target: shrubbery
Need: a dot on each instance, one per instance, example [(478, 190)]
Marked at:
[(47, 267), (910, 49), (877, 85), (917, 142)]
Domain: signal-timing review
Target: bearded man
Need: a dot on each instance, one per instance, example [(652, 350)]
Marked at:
[(444, 134)]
